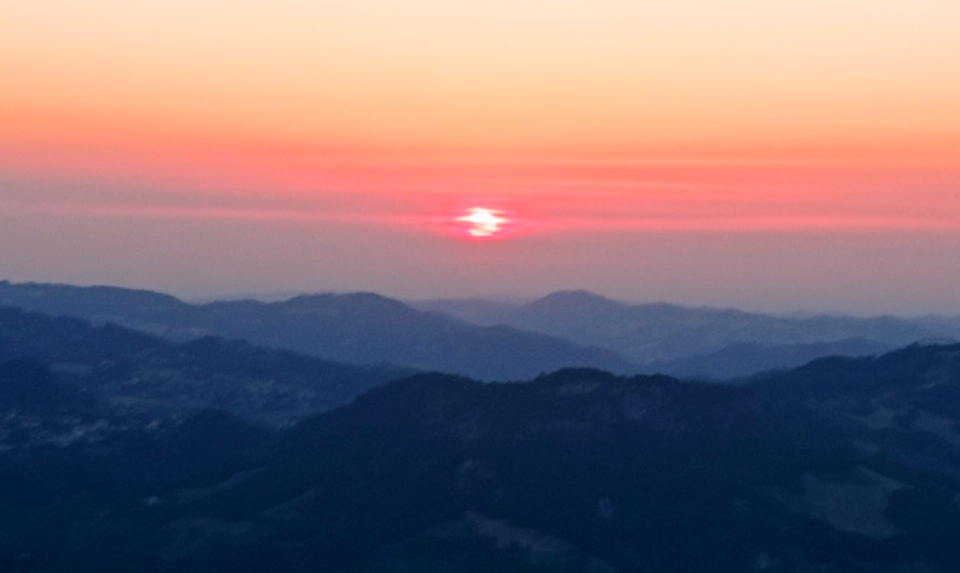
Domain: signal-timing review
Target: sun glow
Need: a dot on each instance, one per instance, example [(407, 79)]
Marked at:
[(482, 223)]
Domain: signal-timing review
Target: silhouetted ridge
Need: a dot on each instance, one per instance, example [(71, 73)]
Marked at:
[(743, 359), (359, 328), (843, 465), (104, 301), (703, 341), (150, 376), (917, 369), (353, 301), (574, 374)]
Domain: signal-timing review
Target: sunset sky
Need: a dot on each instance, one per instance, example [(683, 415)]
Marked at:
[(768, 155)]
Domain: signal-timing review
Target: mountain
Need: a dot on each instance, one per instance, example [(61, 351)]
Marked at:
[(742, 360), (473, 310), (360, 328), (648, 333), (104, 303), (28, 386), (841, 465), (152, 377)]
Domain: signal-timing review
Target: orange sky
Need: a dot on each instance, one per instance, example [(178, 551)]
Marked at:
[(597, 118)]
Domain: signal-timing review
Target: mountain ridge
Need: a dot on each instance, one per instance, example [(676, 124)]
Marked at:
[(156, 377), (576, 470), (663, 332), (360, 328)]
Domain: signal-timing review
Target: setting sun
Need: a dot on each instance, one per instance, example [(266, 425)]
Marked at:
[(483, 223)]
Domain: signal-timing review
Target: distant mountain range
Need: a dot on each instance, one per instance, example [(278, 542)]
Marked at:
[(697, 341), (742, 360), (841, 465), (360, 328), (496, 340)]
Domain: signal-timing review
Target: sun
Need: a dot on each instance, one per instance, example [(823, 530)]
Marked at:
[(483, 223)]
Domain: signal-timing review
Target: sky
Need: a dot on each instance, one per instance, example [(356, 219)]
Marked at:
[(773, 156)]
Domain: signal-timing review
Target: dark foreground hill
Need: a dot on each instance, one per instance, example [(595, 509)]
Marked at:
[(843, 465), (360, 328)]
